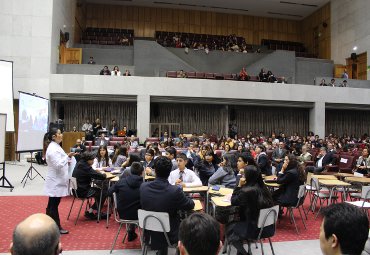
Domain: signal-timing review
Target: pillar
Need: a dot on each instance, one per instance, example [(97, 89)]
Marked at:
[(317, 119), (143, 117)]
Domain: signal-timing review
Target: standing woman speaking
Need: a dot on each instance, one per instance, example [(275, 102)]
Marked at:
[(57, 178)]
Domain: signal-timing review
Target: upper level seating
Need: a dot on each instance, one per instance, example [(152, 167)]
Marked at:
[(286, 45), (108, 36), (214, 42)]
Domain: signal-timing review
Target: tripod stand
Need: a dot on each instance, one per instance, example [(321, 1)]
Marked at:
[(3, 179), (28, 175)]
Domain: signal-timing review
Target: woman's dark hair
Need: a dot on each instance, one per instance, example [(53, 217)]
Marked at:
[(253, 176), (293, 163), (133, 158), (150, 151), (227, 145), (106, 158), (247, 159), (156, 151), (52, 132), (231, 163)]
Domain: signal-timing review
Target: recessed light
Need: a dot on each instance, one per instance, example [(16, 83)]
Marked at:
[(355, 48)]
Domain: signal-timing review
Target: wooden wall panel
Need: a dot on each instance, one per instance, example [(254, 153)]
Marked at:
[(315, 36), (145, 21)]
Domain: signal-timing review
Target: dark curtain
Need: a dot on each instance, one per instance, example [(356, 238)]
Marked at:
[(76, 112), (348, 122)]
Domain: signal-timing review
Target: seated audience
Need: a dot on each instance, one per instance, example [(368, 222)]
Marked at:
[(363, 162), (263, 75), (322, 160), (171, 154), (101, 141), (113, 129), (343, 84), (102, 159), (37, 234), (127, 73), (84, 175), (133, 142), (181, 74), (290, 177), (149, 162), (166, 198), (245, 159), (262, 160), (251, 196), (270, 77), (322, 83), (305, 156), (91, 61), (243, 75), (182, 176), (87, 127), (105, 71), (344, 230), (128, 163), (79, 148), (278, 156), (206, 164), (225, 174), (120, 158), (332, 83), (96, 127), (116, 71), (128, 197), (199, 234)]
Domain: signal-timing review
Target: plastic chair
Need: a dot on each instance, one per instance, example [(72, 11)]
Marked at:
[(73, 183), (154, 221), (121, 222), (301, 197), (365, 195), (320, 195)]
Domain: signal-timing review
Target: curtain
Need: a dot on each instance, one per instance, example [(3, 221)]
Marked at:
[(270, 119), (349, 122), (76, 112)]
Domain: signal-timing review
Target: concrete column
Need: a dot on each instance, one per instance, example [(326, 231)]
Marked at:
[(317, 119), (226, 118), (143, 117)]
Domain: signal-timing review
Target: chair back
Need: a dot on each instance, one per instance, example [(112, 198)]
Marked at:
[(154, 221), (301, 194), (73, 186), (365, 193), (115, 211), (315, 184), (268, 216)]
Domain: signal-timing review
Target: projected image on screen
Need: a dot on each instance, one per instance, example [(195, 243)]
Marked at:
[(33, 122)]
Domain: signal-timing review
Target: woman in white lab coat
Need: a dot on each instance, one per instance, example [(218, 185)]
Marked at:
[(57, 178)]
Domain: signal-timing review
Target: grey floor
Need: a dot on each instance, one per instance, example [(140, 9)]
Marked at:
[(16, 170)]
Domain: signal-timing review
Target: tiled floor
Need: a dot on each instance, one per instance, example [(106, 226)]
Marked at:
[(16, 170)]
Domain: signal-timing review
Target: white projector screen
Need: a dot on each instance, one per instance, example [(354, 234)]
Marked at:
[(6, 95), (33, 122), (2, 137)]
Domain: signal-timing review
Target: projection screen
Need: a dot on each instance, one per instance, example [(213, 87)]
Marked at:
[(6, 95), (33, 122)]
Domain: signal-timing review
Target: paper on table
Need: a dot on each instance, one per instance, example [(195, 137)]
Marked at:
[(227, 198), (343, 160), (358, 174)]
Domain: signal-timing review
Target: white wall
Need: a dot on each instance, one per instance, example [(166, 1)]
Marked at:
[(350, 27), (63, 20), (25, 37)]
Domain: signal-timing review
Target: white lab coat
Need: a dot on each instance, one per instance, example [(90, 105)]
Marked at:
[(57, 178)]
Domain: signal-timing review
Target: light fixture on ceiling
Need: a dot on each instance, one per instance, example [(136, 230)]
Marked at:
[(355, 48)]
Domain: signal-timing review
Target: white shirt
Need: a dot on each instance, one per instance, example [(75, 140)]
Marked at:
[(101, 164), (189, 178), (319, 162)]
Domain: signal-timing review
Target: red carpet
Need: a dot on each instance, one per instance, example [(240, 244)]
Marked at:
[(89, 235)]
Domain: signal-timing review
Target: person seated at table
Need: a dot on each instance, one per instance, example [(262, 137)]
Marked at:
[(102, 159), (290, 177), (244, 159), (182, 176), (225, 174), (133, 142), (149, 162), (344, 230), (305, 156), (171, 154), (128, 163), (322, 160), (120, 157), (128, 197), (101, 140), (193, 232), (363, 162), (81, 148), (251, 196), (84, 174), (206, 166), (262, 160), (160, 196)]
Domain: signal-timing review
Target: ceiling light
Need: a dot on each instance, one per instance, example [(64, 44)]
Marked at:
[(355, 48)]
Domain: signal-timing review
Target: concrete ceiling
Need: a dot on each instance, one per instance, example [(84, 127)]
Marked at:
[(285, 9)]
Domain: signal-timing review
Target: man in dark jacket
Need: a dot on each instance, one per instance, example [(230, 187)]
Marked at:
[(262, 161), (160, 196), (323, 159), (128, 196), (84, 175)]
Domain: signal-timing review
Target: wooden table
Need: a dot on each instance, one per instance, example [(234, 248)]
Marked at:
[(222, 191), (324, 177), (221, 201), (343, 175), (197, 205), (270, 178), (362, 180), (195, 189), (332, 184), (149, 178)]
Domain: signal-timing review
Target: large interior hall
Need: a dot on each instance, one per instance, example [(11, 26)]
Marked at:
[(195, 127)]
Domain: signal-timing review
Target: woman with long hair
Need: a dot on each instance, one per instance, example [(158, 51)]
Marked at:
[(206, 163), (57, 178), (251, 196), (102, 159), (290, 177), (225, 174), (121, 157)]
